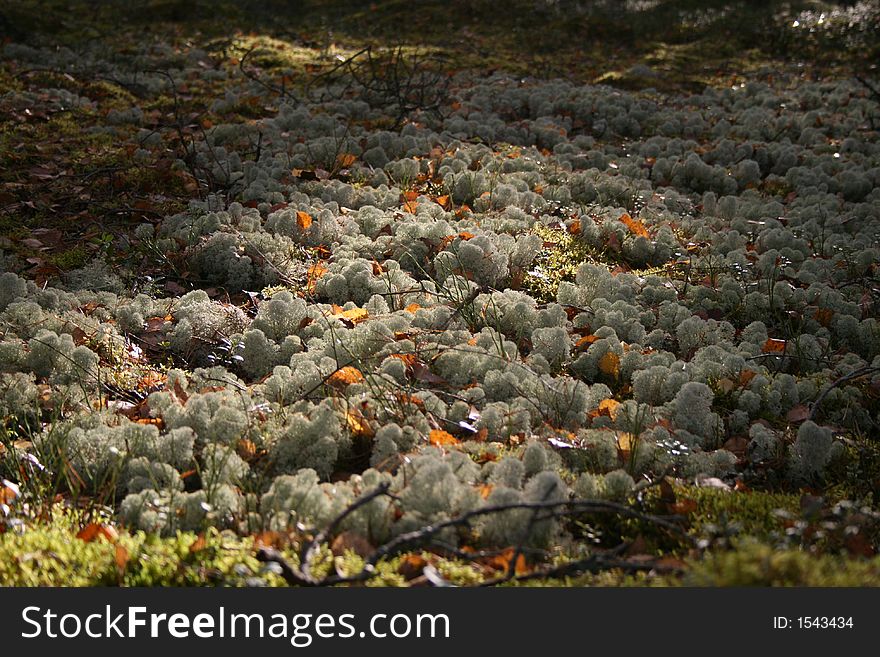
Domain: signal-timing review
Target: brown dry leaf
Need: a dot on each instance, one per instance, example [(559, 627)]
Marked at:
[(746, 376), (736, 445), (412, 308), (773, 346), (345, 160), (798, 413), (609, 407), (179, 392), (610, 364), (443, 201), (574, 228), (269, 539), (411, 566), (303, 220), (377, 268), (485, 490), (635, 226), (683, 508), (94, 531), (409, 195), (465, 236), (440, 438), (351, 542), (410, 207), (824, 316), (345, 376), (246, 449), (725, 385)]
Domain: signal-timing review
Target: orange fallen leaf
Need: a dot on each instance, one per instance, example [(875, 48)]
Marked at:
[(358, 426), (574, 228), (610, 364), (440, 438), (585, 341), (609, 407), (410, 207), (355, 315), (303, 220), (465, 236), (345, 376), (94, 531), (683, 508), (345, 160), (503, 561), (774, 346), (121, 557), (824, 316), (626, 441), (412, 308), (635, 226), (314, 273), (443, 201), (485, 490), (746, 376)]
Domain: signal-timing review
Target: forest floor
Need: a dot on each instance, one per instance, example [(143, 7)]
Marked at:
[(503, 237)]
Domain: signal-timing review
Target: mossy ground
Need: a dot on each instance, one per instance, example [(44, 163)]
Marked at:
[(62, 174)]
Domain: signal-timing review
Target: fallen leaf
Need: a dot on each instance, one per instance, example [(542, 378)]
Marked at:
[(94, 531), (351, 542), (345, 160), (586, 341), (635, 226), (410, 207), (773, 346), (412, 308), (345, 376), (440, 438), (626, 442), (358, 426), (485, 490), (314, 273), (824, 316), (503, 561), (610, 364), (746, 376), (303, 220), (683, 508), (609, 408), (355, 315), (246, 449), (797, 414), (121, 557), (411, 566)]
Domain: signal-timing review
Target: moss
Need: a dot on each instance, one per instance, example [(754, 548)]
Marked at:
[(752, 513), (757, 564), (558, 261), (73, 258), (50, 555)]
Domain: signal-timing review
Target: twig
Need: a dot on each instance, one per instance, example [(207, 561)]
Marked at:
[(855, 374)]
